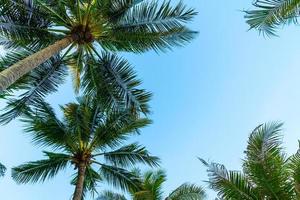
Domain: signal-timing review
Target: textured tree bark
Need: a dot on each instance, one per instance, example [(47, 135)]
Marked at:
[(79, 185), (19, 69)]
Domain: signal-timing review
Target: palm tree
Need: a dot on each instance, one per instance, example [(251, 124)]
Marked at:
[(267, 172), (151, 189), (88, 137), (44, 28), (2, 170), (271, 14), (111, 80)]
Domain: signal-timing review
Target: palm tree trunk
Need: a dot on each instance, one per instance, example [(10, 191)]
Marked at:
[(79, 185), (22, 67)]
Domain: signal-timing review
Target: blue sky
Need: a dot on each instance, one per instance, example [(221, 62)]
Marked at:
[(208, 96)]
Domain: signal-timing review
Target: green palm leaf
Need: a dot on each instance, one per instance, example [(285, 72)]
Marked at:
[(39, 83), (187, 192), (46, 129), (151, 186), (141, 41), (113, 81), (152, 17), (294, 166), (41, 170), (264, 163), (114, 10), (116, 128), (22, 21), (2, 169), (120, 178), (78, 119), (116, 85), (231, 185), (108, 195), (149, 26), (129, 155), (270, 14)]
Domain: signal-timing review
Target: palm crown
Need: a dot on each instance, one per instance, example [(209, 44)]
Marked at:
[(270, 14), (86, 132), (40, 29), (267, 172), (151, 189)]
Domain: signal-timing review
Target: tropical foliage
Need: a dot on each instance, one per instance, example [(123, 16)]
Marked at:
[(2, 169), (111, 80), (267, 172), (268, 15), (151, 189), (90, 137), (70, 32)]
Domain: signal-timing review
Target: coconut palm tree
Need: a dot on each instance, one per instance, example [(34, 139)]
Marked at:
[(151, 189), (268, 15), (267, 172), (45, 28), (110, 79), (87, 138)]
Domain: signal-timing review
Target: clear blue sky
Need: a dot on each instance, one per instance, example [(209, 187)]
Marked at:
[(208, 96)]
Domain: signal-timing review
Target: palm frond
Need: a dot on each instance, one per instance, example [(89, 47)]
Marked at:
[(2, 169), (231, 185), (264, 162), (76, 64), (152, 17), (270, 14), (39, 171), (116, 128), (120, 178), (58, 11), (42, 81), (24, 22), (145, 195), (294, 166), (187, 192), (46, 129), (108, 195), (116, 9), (151, 186), (129, 155), (112, 80), (150, 26), (78, 118), (141, 41)]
